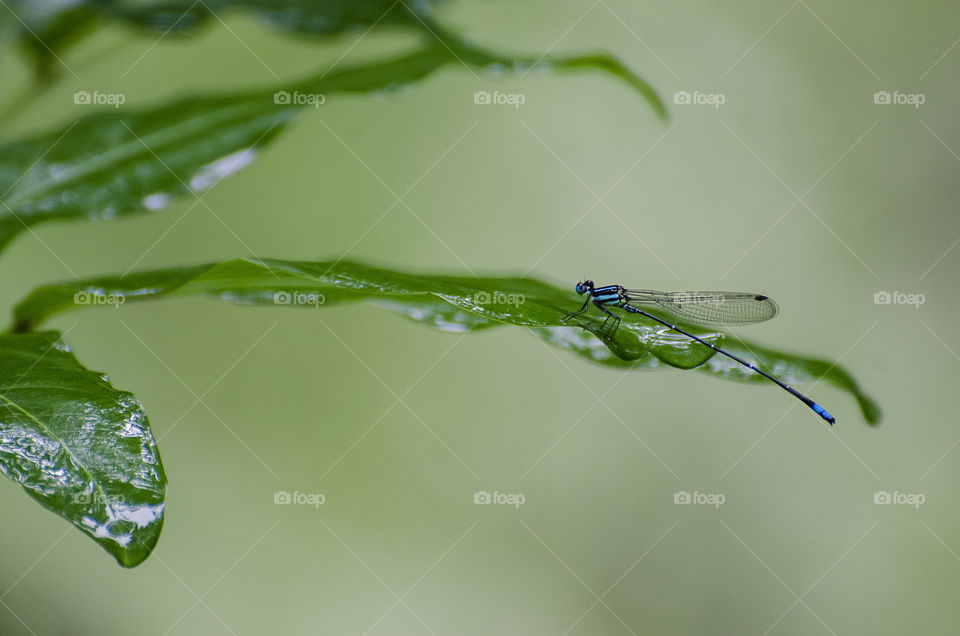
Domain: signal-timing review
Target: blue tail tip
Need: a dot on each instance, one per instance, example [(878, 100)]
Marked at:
[(822, 412)]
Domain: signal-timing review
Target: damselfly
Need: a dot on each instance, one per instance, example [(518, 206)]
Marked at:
[(703, 308)]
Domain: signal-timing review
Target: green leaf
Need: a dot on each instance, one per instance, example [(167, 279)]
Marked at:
[(789, 367), (115, 163), (50, 27), (315, 17), (451, 303), (80, 447), (45, 28)]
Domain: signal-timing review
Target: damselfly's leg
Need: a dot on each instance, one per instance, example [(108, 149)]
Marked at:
[(613, 326), (603, 326), (576, 313), (605, 333)]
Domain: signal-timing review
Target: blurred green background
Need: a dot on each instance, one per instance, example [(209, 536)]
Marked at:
[(307, 401)]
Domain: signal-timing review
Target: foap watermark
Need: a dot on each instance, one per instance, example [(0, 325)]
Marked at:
[(96, 98), (896, 98), (498, 298), (284, 498), (98, 298), (884, 498), (898, 298), (287, 98), (299, 298), (497, 98), (684, 498), (698, 298), (98, 498), (483, 498), (696, 98)]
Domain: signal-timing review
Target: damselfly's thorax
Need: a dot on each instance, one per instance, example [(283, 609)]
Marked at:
[(609, 294)]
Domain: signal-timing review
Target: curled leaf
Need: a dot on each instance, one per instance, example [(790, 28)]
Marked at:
[(451, 303)]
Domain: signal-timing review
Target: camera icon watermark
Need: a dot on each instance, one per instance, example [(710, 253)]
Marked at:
[(299, 298), (884, 98), (484, 98), (484, 498), (684, 498), (884, 498), (98, 298), (498, 298), (898, 298), (96, 98), (284, 498), (296, 98), (696, 98)]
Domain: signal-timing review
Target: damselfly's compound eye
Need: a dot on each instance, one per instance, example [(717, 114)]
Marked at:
[(580, 289)]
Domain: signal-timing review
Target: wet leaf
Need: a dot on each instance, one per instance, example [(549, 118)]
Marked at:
[(80, 447), (451, 303), (118, 162), (49, 27)]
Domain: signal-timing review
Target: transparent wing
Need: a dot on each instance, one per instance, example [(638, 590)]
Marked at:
[(708, 307)]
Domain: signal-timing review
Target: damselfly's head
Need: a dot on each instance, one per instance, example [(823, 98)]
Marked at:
[(585, 287)]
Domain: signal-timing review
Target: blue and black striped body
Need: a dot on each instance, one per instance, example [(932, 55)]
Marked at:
[(609, 294)]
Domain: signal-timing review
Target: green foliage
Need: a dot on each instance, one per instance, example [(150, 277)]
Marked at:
[(84, 449), (451, 303), (48, 28), (116, 163), (80, 447), (102, 470)]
